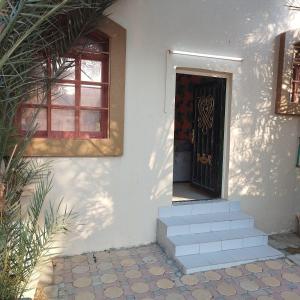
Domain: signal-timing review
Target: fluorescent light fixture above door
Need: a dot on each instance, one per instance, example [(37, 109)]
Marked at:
[(206, 55)]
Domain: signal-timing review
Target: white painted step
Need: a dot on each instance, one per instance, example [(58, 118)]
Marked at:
[(200, 207), (225, 258), (215, 241), (198, 223)]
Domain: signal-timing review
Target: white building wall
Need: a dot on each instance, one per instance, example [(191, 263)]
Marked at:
[(117, 198)]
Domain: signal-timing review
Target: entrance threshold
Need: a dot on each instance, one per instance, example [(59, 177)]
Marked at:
[(185, 192)]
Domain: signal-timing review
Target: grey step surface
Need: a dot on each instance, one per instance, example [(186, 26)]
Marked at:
[(224, 259), (216, 241), (201, 207), (199, 223), (211, 234)]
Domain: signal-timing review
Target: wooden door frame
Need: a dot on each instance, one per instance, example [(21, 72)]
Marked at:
[(228, 93)]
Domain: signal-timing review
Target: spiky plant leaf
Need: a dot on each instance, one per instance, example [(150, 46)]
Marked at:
[(32, 34)]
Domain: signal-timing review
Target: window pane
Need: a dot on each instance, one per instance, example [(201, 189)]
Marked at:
[(69, 72), (37, 96), (296, 92), (296, 80), (63, 94), (62, 120), (41, 70), (90, 121), (91, 70), (40, 121), (66, 64), (95, 96)]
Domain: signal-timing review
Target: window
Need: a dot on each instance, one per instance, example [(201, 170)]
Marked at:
[(78, 105), (295, 94), (288, 74), (84, 113)]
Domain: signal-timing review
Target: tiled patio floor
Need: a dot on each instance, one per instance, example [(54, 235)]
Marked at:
[(146, 273)]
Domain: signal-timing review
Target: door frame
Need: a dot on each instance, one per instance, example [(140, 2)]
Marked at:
[(228, 96)]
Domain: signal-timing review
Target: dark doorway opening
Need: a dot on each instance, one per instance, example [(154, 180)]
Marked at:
[(198, 137)]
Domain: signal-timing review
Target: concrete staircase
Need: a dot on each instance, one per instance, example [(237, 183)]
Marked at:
[(211, 235)]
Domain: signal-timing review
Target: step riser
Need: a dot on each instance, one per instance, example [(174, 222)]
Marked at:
[(161, 233), (227, 258), (208, 227), (203, 208), (218, 246), (221, 266)]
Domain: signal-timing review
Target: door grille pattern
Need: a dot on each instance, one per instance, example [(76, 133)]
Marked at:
[(209, 111), (205, 105)]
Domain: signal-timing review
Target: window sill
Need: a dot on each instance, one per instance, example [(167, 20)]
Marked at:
[(45, 147)]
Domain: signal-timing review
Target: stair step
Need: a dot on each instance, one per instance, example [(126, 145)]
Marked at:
[(201, 207), (211, 235), (179, 225), (225, 258), (216, 241)]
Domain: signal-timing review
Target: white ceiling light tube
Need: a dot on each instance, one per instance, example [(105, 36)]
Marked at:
[(206, 55)]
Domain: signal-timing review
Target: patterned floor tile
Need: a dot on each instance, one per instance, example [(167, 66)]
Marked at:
[(146, 273)]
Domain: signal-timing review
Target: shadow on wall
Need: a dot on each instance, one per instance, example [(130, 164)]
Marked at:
[(117, 198), (112, 197), (263, 144)]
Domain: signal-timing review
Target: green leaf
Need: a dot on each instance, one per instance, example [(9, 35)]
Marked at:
[(30, 30)]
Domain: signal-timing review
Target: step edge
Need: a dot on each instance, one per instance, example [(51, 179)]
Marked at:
[(221, 240), (266, 246), (278, 253), (245, 217), (189, 206), (258, 231), (251, 220), (225, 265), (243, 247), (199, 246)]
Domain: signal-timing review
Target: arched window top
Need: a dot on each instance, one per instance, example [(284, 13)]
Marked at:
[(95, 42)]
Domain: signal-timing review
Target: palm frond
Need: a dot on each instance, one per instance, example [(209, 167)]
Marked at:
[(32, 34)]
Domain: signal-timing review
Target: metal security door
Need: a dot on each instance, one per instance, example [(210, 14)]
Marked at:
[(209, 112)]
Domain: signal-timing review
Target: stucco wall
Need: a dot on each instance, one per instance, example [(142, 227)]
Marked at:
[(117, 198)]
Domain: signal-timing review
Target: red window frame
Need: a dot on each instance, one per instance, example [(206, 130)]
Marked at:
[(103, 110)]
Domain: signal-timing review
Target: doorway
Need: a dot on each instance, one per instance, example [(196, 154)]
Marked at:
[(198, 137)]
